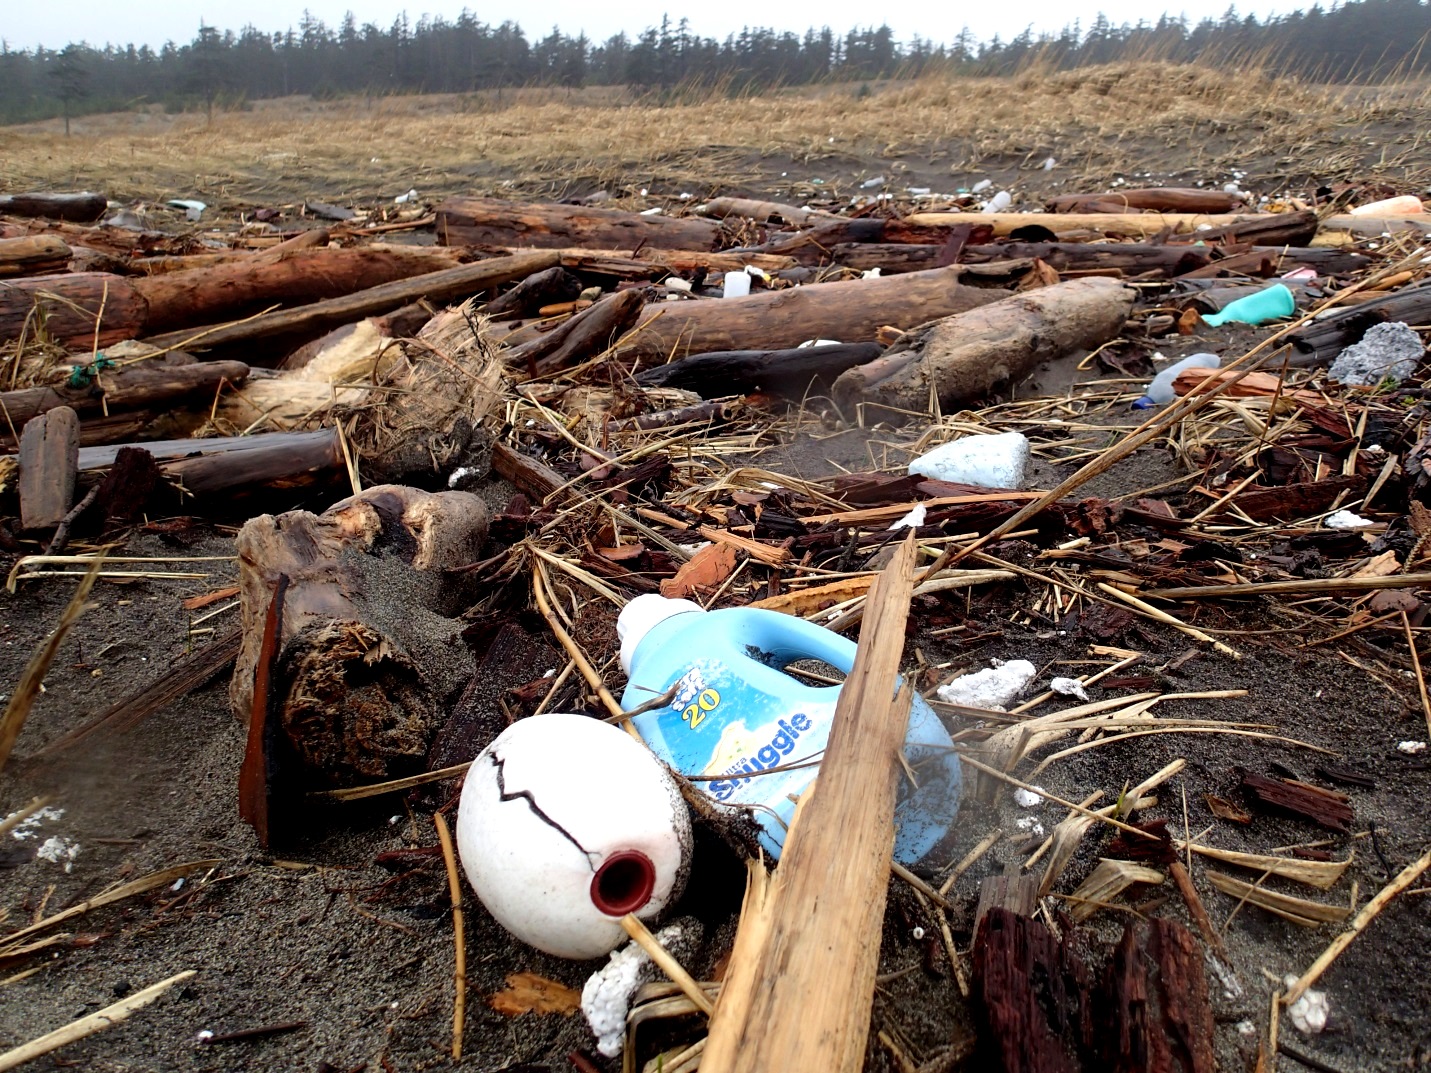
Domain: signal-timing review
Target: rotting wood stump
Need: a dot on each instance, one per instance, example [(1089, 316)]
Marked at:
[(366, 656)]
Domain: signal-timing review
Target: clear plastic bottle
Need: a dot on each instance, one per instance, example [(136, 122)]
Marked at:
[(1160, 392)]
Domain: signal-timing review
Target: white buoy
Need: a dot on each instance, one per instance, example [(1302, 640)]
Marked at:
[(566, 824)]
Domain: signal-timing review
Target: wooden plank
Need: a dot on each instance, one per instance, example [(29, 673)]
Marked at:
[(49, 464), (799, 996)]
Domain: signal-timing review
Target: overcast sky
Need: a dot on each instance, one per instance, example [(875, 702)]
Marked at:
[(55, 23)]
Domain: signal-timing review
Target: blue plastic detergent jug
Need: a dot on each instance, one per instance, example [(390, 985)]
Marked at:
[(736, 714)]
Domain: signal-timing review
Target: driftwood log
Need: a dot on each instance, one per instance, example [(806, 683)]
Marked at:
[(537, 290), (207, 294), (477, 221), (1269, 229), (851, 311), (582, 336), (79, 208), (134, 388), (1157, 199), (232, 463), (1322, 340), (778, 372), (33, 254), (761, 211), (366, 657), (76, 309), (963, 357), (318, 317), (1131, 225)]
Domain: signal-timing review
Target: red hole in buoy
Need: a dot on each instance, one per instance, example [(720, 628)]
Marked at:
[(623, 883)]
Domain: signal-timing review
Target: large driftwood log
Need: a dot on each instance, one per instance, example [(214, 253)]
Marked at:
[(477, 221), (205, 295), (779, 372), (234, 463), (1323, 339), (1131, 257), (81, 208), (133, 388), (851, 311), (368, 657), (1158, 199), (320, 316), (963, 357), (65, 308), (1270, 229)]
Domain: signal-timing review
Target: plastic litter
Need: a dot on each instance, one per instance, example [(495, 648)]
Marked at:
[(193, 210), (1345, 519), (870, 184), (735, 285), (565, 825), (403, 199), (1027, 798), (913, 520), (737, 715), (1388, 351), (1309, 1013), (1000, 202), (1411, 748), (1000, 461), (981, 186), (1406, 205), (993, 688), (1069, 687), (607, 994), (1276, 301), (1160, 392)]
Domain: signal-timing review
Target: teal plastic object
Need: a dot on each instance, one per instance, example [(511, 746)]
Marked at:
[(1276, 301), (737, 714)]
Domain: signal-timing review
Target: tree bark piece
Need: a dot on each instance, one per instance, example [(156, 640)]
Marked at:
[(852, 311), (1031, 995), (780, 372), (1157, 199), (1325, 808), (368, 657), (205, 295), (66, 307), (49, 464), (33, 255), (963, 357), (79, 208), (320, 316), (143, 385), (1156, 987), (811, 945), (474, 221), (1132, 225)]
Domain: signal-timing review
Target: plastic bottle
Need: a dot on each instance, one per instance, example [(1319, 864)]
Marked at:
[(1258, 308), (1406, 205), (1160, 392), (565, 825), (736, 713)]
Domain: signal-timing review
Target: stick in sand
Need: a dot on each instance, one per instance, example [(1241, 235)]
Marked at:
[(454, 888), (88, 1026)]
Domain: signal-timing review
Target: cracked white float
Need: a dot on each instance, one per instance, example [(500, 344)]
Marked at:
[(566, 824)]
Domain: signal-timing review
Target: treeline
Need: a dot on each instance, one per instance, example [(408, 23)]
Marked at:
[(1357, 41)]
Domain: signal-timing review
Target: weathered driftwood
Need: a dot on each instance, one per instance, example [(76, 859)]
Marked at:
[(539, 289), (49, 463), (65, 308), (1157, 199), (1269, 229), (810, 942), (778, 372), (476, 221), (963, 357), (1327, 336), (1158, 1017), (80, 208), (1132, 225), (583, 335), (368, 658), (320, 316), (136, 387), (761, 211), (234, 463), (206, 295), (851, 311), (33, 254), (651, 263), (1132, 258)]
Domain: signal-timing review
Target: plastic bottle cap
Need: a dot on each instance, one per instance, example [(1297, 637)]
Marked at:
[(640, 615)]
